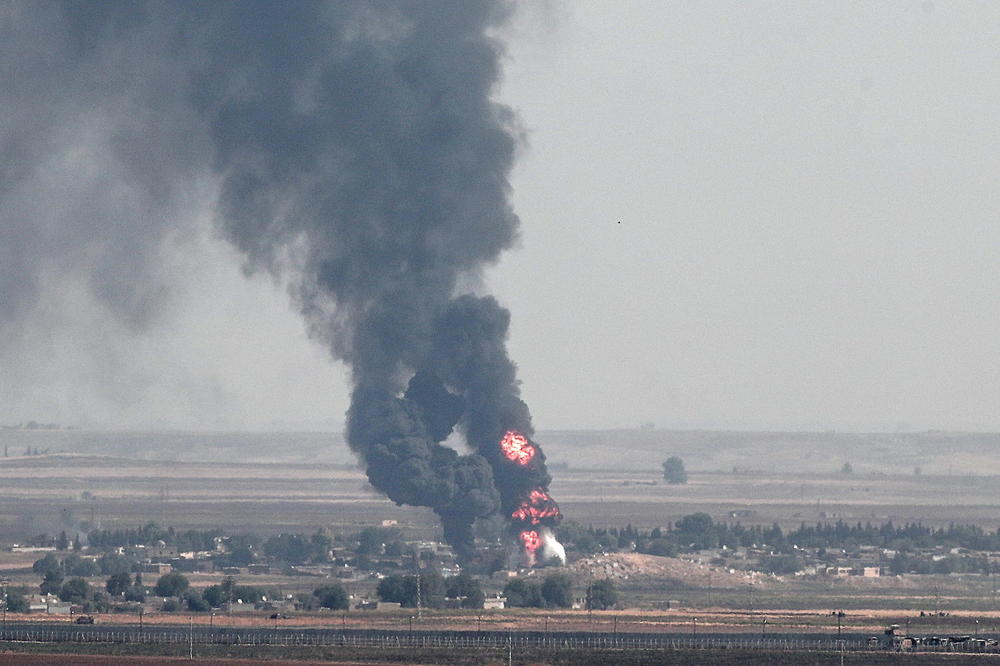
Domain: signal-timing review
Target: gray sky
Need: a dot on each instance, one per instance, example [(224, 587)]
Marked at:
[(808, 239)]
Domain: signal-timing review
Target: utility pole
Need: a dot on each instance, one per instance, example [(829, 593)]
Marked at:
[(419, 601), (5, 581), (993, 575), (191, 637)]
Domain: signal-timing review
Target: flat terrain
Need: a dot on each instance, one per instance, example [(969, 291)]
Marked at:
[(303, 482), (53, 492), (634, 450)]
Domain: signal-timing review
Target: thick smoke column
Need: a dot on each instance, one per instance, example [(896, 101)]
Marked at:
[(470, 352), (361, 152), (358, 154)]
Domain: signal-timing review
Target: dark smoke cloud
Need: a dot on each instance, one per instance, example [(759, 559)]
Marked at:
[(102, 156), (471, 354), (362, 140), (97, 155), (358, 153)]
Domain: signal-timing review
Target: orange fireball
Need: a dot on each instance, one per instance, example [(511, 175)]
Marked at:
[(531, 540), (517, 448), (538, 506)]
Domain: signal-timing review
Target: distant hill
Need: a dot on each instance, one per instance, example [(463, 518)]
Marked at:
[(799, 452), (292, 447), (642, 449)]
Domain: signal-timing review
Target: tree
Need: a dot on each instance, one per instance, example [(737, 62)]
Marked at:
[(780, 564), (291, 548), (215, 595), (171, 585), (52, 582), (848, 468), (195, 602), (673, 470), (391, 588), (239, 556), (465, 588), (74, 565), (522, 593), (602, 595), (372, 539), (662, 547), (48, 563), (228, 586), (112, 563), (332, 596), (75, 591), (320, 544), (406, 591), (697, 530), (248, 594), (17, 602), (557, 590), (117, 584)]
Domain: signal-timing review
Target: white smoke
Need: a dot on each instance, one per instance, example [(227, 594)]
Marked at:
[(551, 548)]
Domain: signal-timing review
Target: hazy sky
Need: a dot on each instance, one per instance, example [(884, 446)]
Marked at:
[(734, 215)]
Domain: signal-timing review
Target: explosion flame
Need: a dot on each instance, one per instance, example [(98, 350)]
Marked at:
[(516, 448), (531, 541), (525, 497), (537, 507)]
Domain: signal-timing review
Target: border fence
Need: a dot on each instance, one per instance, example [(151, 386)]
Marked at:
[(40, 633)]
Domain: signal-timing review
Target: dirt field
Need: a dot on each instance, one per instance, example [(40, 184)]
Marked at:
[(50, 493)]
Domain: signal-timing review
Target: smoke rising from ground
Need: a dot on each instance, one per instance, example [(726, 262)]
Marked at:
[(357, 154)]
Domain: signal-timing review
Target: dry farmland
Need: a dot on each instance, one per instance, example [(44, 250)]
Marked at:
[(308, 482)]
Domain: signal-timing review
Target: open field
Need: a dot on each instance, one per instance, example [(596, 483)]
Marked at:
[(54, 492), (71, 490), (934, 452)]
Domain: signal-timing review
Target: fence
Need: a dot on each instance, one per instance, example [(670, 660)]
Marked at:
[(451, 640), (420, 639)]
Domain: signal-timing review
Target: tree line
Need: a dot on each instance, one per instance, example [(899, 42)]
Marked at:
[(698, 532)]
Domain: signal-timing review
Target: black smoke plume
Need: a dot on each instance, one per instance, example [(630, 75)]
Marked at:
[(358, 153)]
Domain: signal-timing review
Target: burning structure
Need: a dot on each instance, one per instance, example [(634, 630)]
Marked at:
[(357, 152)]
